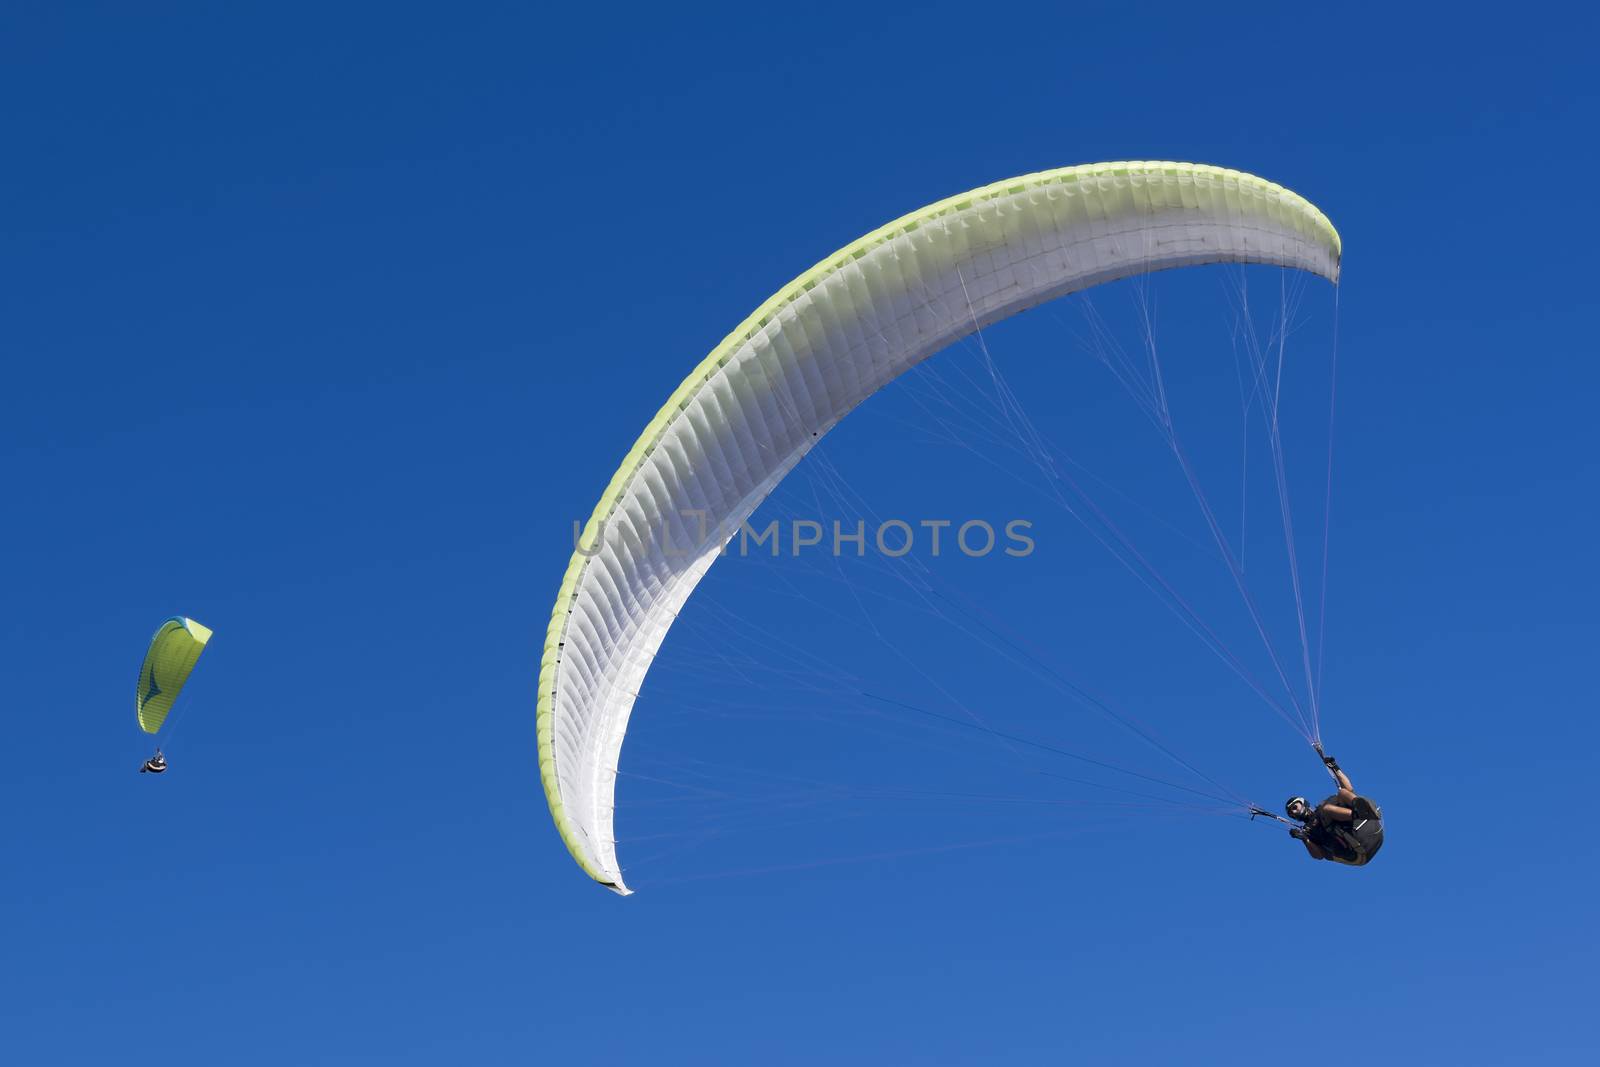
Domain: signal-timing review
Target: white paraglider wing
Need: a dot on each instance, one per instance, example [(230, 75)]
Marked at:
[(823, 344)]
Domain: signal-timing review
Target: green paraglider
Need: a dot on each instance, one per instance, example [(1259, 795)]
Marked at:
[(173, 653)]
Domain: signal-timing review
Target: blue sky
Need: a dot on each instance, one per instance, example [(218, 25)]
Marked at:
[(323, 322)]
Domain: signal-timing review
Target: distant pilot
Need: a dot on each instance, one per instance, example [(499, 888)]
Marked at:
[(155, 764)]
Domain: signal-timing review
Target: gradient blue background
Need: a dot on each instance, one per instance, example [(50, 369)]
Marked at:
[(322, 322)]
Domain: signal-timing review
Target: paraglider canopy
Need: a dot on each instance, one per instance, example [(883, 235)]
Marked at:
[(173, 652), (801, 362)]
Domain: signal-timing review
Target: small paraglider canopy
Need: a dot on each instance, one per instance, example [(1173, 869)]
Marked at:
[(173, 652)]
